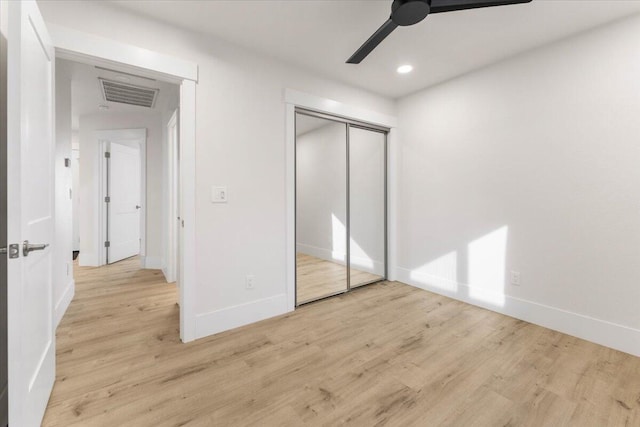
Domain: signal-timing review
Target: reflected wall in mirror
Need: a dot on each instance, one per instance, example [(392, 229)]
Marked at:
[(366, 206), (321, 208)]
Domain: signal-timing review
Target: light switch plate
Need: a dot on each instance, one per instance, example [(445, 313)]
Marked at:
[(515, 278), (219, 195)]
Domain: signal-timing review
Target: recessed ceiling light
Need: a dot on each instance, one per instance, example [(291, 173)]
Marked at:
[(404, 69)]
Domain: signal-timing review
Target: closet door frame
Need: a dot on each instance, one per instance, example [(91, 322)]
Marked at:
[(349, 123)]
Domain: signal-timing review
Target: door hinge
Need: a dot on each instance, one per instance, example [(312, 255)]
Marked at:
[(14, 251), (107, 199), (107, 154), (107, 244)]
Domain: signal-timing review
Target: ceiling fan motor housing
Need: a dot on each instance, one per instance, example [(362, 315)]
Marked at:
[(409, 12)]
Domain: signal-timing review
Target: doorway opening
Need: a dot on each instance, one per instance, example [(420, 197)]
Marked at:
[(340, 205), (123, 189), (118, 133), (120, 166)]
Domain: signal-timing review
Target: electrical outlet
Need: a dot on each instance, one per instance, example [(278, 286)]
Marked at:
[(250, 282), (219, 195), (515, 278)]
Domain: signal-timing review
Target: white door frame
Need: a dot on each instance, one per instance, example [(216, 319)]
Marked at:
[(75, 189), (173, 205), (104, 138), (94, 50), (293, 99)]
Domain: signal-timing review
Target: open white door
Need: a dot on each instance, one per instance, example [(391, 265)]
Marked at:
[(30, 213), (124, 178)]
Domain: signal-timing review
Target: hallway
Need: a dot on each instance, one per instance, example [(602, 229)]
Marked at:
[(119, 318)]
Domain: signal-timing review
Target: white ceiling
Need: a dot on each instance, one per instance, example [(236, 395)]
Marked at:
[(320, 35), (86, 94)]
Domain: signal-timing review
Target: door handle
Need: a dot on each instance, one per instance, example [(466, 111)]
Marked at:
[(12, 250), (138, 206), (29, 247)]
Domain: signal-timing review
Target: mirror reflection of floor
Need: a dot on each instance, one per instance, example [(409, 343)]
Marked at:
[(317, 278)]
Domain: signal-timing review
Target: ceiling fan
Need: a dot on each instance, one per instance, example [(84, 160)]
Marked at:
[(410, 12)]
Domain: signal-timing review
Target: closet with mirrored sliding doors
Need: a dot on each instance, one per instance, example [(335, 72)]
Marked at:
[(341, 205)]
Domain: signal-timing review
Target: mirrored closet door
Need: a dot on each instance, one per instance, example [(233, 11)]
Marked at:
[(321, 208), (367, 191), (340, 206)]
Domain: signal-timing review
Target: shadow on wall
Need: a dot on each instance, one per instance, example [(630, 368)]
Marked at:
[(476, 270)]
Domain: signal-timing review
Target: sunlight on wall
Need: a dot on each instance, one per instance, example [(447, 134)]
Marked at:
[(441, 273), (487, 267), (338, 240), (359, 257)]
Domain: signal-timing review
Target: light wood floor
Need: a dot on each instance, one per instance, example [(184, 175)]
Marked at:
[(387, 354), (317, 278)]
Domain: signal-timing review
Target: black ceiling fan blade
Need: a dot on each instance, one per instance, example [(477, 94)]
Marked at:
[(438, 6), (373, 41)]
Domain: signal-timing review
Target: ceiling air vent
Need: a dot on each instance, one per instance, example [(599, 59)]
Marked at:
[(126, 93)]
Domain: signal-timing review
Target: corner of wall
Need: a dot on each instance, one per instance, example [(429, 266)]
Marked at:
[(598, 331), (152, 262), (232, 317)]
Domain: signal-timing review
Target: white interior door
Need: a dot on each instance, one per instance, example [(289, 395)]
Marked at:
[(30, 213), (124, 185)]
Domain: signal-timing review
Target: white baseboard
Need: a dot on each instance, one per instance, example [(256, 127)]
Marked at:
[(240, 315), (86, 259), (151, 262), (601, 332), (166, 274), (64, 301), (321, 253), (338, 258)]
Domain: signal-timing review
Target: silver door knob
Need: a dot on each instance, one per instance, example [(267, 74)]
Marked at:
[(138, 206), (29, 247)]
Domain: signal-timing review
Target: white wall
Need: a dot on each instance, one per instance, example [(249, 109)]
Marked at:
[(321, 191), (89, 182), (63, 284), (240, 143), (531, 165)]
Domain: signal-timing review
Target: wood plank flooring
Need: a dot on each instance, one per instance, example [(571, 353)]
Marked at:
[(317, 278), (387, 354)]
